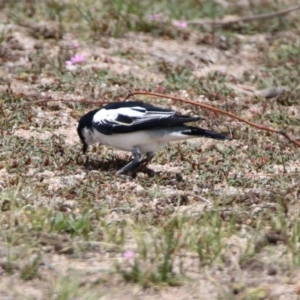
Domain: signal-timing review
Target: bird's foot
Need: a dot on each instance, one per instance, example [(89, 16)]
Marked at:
[(125, 176)]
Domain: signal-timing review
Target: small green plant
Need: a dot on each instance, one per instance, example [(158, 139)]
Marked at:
[(30, 270), (75, 225), (155, 263), (70, 287)]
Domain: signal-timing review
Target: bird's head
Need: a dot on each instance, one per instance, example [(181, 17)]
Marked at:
[(85, 127)]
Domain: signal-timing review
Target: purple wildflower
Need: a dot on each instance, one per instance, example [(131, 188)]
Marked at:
[(77, 59), (129, 254), (181, 24), (154, 17), (75, 44)]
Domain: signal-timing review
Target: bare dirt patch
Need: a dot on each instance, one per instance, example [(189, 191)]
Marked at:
[(211, 221)]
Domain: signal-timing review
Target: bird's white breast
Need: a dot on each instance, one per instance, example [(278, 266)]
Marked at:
[(144, 140)]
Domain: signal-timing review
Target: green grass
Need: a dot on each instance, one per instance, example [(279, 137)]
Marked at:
[(65, 288), (215, 216)]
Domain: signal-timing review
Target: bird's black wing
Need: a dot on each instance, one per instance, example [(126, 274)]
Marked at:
[(125, 117)]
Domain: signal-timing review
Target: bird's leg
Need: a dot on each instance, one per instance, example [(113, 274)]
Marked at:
[(149, 156), (132, 164), (136, 163), (145, 161)]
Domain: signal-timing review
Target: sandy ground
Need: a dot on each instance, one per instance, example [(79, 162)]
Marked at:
[(95, 266)]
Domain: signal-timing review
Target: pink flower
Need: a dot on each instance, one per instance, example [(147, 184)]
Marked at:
[(75, 44), (181, 24), (154, 17), (77, 59), (129, 254), (160, 89)]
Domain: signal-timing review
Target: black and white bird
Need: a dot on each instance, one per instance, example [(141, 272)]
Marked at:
[(138, 127)]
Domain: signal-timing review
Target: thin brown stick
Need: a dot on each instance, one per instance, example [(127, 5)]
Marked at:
[(50, 99), (217, 110), (211, 108), (246, 19), (83, 101)]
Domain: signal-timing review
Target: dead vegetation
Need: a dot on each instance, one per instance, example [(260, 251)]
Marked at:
[(211, 220)]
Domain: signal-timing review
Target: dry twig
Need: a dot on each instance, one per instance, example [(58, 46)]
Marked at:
[(50, 99), (217, 110), (205, 106), (231, 21)]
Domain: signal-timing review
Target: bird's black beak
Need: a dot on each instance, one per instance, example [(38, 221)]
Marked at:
[(84, 148)]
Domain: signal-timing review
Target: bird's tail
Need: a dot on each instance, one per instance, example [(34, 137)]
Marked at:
[(194, 131)]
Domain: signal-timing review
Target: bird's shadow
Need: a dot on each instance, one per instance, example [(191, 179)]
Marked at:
[(114, 165)]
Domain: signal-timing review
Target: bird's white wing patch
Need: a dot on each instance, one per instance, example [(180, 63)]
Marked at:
[(130, 119), (132, 112), (100, 116), (110, 116)]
